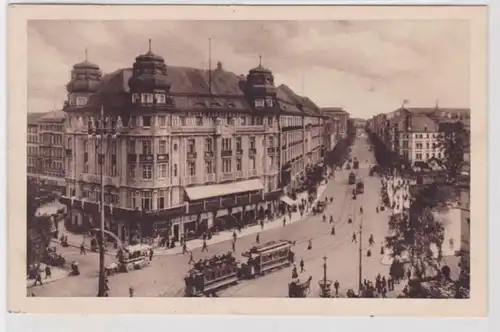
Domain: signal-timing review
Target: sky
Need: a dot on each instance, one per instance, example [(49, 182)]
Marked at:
[(367, 67)]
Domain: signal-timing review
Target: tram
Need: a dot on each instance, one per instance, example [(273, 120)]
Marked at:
[(352, 178), (211, 275), (267, 257)]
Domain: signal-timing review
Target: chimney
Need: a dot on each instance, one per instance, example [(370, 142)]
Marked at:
[(219, 65)]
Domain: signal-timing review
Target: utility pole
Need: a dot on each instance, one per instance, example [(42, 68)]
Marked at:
[(360, 277)]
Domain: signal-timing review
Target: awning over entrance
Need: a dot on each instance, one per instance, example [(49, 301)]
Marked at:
[(287, 200), (203, 192)]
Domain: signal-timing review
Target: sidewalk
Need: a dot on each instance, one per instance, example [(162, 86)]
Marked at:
[(75, 240), (57, 274)]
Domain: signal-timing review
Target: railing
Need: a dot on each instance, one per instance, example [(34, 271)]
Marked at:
[(193, 129), (227, 176), (252, 151), (239, 151), (192, 155), (210, 177), (208, 154), (191, 179), (162, 157), (252, 172), (239, 175), (272, 149), (148, 158), (253, 129), (112, 181), (227, 153)]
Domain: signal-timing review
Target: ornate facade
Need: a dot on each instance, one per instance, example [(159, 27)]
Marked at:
[(198, 150)]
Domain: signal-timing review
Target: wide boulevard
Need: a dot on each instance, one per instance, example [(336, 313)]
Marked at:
[(165, 276)]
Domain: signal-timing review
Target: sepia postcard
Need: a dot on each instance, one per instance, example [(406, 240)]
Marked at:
[(313, 160)]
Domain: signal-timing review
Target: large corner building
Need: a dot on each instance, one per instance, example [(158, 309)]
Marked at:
[(199, 149)]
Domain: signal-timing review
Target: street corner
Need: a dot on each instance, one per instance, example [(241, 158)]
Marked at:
[(58, 274)]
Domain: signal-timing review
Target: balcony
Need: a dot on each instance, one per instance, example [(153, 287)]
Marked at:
[(240, 175), (146, 158), (227, 177), (208, 155), (191, 155), (162, 157), (191, 180), (251, 129), (239, 152), (272, 150), (193, 129), (252, 151), (113, 181), (252, 172), (227, 153), (210, 177)]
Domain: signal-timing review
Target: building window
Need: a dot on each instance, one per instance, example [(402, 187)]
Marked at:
[(146, 121), (209, 144), (226, 166), (419, 145), (251, 162), (270, 120), (135, 98), (182, 120), (133, 121), (147, 200), (191, 145), (252, 142), (418, 156), (114, 171), (162, 170), (147, 172), (199, 121), (146, 147), (271, 141), (160, 98), (161, 199), (131, 171), (175, 169), (238, 143), (162, 121), (209, 167), (162, 147), (226, 144), (238, 164), (192, 168), (80, 101)]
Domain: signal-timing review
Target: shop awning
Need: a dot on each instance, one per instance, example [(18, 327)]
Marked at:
[(287, 200), (216, 190)]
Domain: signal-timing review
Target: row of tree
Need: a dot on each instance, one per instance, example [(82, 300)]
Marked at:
[(418, 232), (338, 155)]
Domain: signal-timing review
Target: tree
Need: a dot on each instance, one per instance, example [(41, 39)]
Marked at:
[(417, 233), (454, 143), (39, 228)]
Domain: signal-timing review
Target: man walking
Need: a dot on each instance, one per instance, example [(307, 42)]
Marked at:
[(82, 249), (302, 265), (354, 238), (333, 231), (337, 286)]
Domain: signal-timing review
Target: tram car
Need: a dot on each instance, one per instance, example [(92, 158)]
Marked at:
[(352, 178), (267, 257), (208, 276)]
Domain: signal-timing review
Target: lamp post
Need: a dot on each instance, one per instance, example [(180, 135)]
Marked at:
[(101, 129)]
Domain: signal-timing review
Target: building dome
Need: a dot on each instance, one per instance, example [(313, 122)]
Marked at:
[(260, 82), (149, 73), (85, 77)]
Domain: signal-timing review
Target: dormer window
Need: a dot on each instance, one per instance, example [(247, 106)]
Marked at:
[(81, 101), (147, 98), (160, 98), (135, 98), (259, 103)]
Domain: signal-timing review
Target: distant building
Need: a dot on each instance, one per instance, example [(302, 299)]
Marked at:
[(335, 125), (46, 149), (359, 123)]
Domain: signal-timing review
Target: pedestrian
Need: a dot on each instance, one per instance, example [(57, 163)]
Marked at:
[(184, 248), (151, 253), (284, 221), (408, 274), (376, 209), (257, 238), (337, 286), (383, 282), (301, 213), (48, 272), (310, 245), (294, 272), (204, 247), (38, 278), (384, 292), (262, 224), (82, 249), (234, 246), (331, 219), (354, 238), (131, 291), (333, 231), (370, 240), (234, 236), (349, 221), (382, 249), (368, 253), (331, 199), (191, 259), (106, 284), (324, 218), (390, 283), (361, 210), (302, 265)]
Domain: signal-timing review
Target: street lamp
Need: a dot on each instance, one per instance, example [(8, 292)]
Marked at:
[(100, 129), (325, 284)]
